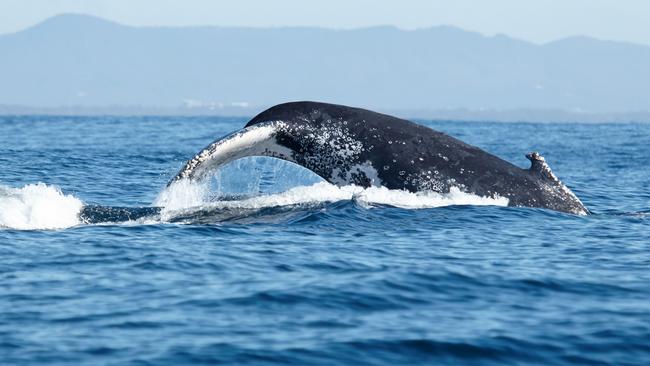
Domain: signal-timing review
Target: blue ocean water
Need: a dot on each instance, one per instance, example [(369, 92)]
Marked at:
[(315, 274)]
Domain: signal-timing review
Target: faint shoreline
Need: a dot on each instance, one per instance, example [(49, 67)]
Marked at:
[(460, 115)]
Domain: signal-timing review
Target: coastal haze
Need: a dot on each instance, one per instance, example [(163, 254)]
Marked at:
[(78, 63)]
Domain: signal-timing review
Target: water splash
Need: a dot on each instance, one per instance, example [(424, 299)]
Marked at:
[(184, 195), (404, 199), (38, 206)]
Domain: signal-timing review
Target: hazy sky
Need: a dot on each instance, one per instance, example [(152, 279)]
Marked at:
[(534, 20)]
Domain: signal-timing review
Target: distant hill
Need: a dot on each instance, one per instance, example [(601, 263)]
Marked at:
[(78, 60)]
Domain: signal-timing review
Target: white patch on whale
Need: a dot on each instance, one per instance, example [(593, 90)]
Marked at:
[(369, 170), (254, 140)]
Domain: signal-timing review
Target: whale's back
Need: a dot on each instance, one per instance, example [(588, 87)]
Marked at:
[(348, 145)]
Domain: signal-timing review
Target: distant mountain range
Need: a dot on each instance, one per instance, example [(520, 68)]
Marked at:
[(85, 62)]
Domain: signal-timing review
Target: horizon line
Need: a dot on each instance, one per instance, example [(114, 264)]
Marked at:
[(522, 114)]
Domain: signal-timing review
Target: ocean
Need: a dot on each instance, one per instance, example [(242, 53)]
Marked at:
[(270, 265)]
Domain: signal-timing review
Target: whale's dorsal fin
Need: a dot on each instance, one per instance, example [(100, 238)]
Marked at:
[(539, 167)]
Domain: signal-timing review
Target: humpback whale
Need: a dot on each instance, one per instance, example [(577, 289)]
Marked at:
[(346, 145)]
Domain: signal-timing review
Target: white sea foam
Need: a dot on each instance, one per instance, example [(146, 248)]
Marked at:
[(37, 206), (185, 195), (404, 199)]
